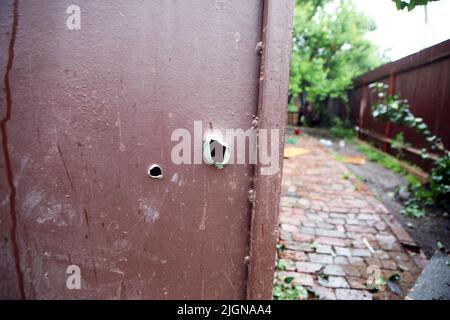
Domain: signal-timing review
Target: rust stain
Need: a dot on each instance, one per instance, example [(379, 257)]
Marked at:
[(8, 167)]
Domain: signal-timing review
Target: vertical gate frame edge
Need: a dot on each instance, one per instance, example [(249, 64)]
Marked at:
[(277, 19)]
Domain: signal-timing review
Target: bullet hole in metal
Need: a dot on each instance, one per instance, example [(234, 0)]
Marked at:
[(221, 149), (155, 172), (216, 151)]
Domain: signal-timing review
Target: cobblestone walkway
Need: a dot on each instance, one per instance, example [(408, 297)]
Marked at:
[(332, 229)]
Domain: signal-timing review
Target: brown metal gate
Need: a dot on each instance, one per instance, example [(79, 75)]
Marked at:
[(87, 110)]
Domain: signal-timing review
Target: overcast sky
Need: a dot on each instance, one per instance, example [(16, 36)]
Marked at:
[(405, 32)]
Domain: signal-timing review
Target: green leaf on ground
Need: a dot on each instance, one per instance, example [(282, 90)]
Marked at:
[(288, 280)]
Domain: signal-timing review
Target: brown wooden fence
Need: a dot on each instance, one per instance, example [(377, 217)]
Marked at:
[(423, 79)]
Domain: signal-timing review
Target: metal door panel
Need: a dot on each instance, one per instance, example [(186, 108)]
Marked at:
[(91, 109)]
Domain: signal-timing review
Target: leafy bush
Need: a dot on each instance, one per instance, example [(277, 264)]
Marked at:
[(292, 108), (398, 144), (420, 196), (393, 109), (411, 4), (383, 159), (413, 210), (440, 181), (341, 130)]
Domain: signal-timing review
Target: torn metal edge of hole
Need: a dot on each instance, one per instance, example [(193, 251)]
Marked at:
[(207, 151), (153, 166)]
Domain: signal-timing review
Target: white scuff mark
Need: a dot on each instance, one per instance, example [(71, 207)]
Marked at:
[(72, 213), (368, 245), (50, 214), (238, 37), (233, 267), (233, 185), (57, 213), (150, 214), (228, 278), (116, 270), (23, 164), (121, 245), (122, 146), (176, 179), (32, 199), (202, 225), (24, 161)]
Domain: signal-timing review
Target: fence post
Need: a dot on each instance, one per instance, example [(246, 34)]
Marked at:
[(387, 128), (362, 106)]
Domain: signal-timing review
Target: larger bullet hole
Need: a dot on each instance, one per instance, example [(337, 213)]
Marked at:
[(155, 172), (216, 151), (220, 154)]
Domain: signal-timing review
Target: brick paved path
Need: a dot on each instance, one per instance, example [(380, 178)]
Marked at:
[(332, 229)]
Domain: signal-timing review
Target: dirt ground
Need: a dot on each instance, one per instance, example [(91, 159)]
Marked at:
[(427, 231)]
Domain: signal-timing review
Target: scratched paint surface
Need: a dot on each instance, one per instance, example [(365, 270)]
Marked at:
[(90, 110)]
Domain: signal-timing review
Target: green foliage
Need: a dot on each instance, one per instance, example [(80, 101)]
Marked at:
[(288, 290), (292, 108), (440, 181), (413, 210), (396, 110), (420, 198), (399, 144), (279, 265), (437, 192), (383, 159), (391, 108), (411, 4), (329, 49), (341, 130)]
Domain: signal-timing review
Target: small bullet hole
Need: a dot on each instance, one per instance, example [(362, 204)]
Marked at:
[(155, 172)]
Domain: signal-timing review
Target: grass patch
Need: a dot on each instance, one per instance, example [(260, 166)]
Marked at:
[(420, 196), (387, 161)]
